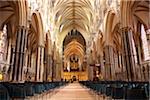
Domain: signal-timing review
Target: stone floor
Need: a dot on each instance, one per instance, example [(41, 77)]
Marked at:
[(72, 91)]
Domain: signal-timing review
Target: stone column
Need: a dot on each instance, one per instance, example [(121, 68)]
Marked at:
[(121, 66), (39, 64), (50, 67), (107, 64), (53, 69), (53, 64), (128, 53), (25, 65), (58, 71), (116, 67), (19, 57), (42, 65), (90, 68), (112, 62), (9, 53), (8, 63), (139, 74), (11, 63), (33, 66), (102, 66), (47, 67)]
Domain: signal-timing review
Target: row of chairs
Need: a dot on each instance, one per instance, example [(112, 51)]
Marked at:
[(22, 90), (120, 89)]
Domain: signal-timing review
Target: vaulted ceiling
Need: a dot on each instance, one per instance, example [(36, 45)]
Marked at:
[(74, 44), (9, 15), (73, 14)]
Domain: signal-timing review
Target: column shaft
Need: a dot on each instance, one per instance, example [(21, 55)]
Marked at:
[(107, 64), (39, 63), (128, 53), (102, 66), (19, 55)]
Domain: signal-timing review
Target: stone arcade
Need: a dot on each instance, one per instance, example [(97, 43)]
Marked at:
[(102, 44)]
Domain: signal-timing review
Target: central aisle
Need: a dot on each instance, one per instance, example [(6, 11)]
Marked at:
[(73, 91)]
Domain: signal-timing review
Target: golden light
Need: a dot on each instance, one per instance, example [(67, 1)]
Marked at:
[(1, 76)]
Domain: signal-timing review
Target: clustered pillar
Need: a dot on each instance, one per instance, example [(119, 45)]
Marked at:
[(128, 53), (39, 68), (109, 63), (19, 54)]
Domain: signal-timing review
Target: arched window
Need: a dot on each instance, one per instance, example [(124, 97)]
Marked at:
[(3, 44), (144, 44)]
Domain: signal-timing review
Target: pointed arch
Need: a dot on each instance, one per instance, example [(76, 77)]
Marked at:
[(133, 11), (39, 27), (111, 22), (48, 42)]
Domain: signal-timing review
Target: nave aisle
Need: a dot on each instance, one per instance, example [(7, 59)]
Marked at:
[(72, 91)]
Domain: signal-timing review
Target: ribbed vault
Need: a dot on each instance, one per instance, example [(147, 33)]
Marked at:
[(73, 14), (74, 45)]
